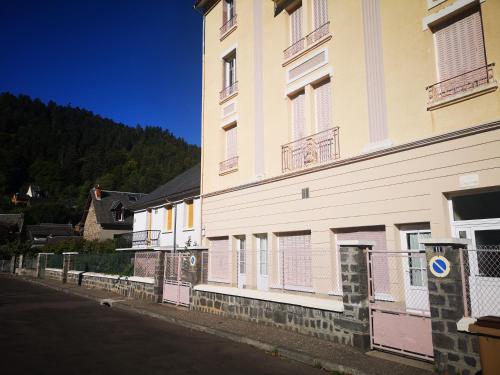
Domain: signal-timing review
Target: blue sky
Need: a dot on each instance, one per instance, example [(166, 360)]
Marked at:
[(134, 61)]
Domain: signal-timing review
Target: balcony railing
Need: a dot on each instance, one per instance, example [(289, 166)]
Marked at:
[(228, 91), (228, 25), (306, 152), (228, 165), (317, 34), (460, 84), (139, 239), (307, 41)]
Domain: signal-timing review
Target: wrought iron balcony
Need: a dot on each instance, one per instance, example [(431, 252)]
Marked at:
[(228, 165), (228, 25), (461, 84), (139, 239), (228, 91), (306, 152), (317, 34), (307, 41)]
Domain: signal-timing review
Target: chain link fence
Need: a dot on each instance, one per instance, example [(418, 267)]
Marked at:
[(481, 281), (55, 261), (145, 263), (117, 263)]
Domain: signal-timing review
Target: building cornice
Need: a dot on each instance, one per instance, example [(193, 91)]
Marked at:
[(491, 126)]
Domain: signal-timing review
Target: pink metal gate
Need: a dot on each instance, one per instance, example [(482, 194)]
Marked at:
[(175, 290), (400, 319)]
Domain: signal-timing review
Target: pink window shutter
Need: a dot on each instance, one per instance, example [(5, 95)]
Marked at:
[(220, 261), (460, 46), (298, 106), (324, 106), (296, 24), (297, 261), (320, 13), (231, 142)]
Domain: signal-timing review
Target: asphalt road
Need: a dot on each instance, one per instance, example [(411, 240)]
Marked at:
[(43, 331)]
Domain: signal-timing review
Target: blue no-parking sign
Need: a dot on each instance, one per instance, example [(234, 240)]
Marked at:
[(439, 266)]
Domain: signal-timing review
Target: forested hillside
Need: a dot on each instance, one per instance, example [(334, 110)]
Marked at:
[(66, 150)]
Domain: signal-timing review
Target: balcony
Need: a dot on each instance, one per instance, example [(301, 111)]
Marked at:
[(228, 166), (309, 41), (470, 84), (143, 238), (309, 151), (228, 92), (228, 26)]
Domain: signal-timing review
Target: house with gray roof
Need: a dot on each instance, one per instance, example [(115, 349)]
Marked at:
[(107, 214), (169, 217)]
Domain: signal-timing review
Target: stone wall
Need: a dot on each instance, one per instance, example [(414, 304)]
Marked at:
[(53, 274), (350, 327), (327, 325), (116, 284), (454, 352), (92, 229)]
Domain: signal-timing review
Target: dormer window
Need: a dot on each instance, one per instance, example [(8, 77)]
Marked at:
[(118, 211)]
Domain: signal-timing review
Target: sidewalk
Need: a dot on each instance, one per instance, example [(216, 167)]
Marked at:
[(306, 349)]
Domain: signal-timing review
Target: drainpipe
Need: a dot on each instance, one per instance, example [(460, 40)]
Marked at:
[(175, 227)]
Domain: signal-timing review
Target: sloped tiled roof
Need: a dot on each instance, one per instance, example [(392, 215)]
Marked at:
[(104, 208), (49, 229), (185, 185)]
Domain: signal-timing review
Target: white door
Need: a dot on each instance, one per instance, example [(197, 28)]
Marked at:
[(262, 262), (242, 278), (484, 265), (415, 271)]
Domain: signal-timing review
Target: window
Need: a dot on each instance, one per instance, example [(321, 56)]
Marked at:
[(295, 250), (323, 106), (231, 142), (119, 213), (416, 262), (219, 261), (241, 255), (296, 24), (229, 78), (262, 245), (320, 13), (169, 218), (460, 58), (227, 11), (298, 116), (189, 214)]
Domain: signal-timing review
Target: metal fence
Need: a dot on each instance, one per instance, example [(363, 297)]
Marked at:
[(29, 262), (481, 281), (55, 261), (145, 263), (5, 265), (398, 281), (117, 263)]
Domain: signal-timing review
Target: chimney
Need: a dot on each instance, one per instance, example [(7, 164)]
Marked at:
[(98, 192)]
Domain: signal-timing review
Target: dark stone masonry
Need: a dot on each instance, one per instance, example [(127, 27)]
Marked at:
[(350, 327)]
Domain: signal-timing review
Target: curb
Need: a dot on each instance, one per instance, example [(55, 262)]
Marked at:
[(261, 345)]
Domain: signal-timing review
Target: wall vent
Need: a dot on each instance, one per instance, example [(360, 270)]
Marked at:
[(305, 193)]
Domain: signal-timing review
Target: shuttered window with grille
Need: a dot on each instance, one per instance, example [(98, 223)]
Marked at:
[(295, 248), (219, 261), (323, 106), (298, 116), (296, 24), (320, 10), (460, 45)]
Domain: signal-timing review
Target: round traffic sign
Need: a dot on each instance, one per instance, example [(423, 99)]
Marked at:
[(439, 266), (192, 261)]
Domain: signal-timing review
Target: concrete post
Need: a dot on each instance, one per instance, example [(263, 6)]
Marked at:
[(12, 264), (41, 264), (68, 264), (355, 290), (455, 352), (159, 275), (19, 265)]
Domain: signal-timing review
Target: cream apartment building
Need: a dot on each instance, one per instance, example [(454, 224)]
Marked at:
[(344, 120)]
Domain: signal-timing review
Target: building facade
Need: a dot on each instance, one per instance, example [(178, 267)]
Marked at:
[(107, 214), (332, 122), (170, 214)]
